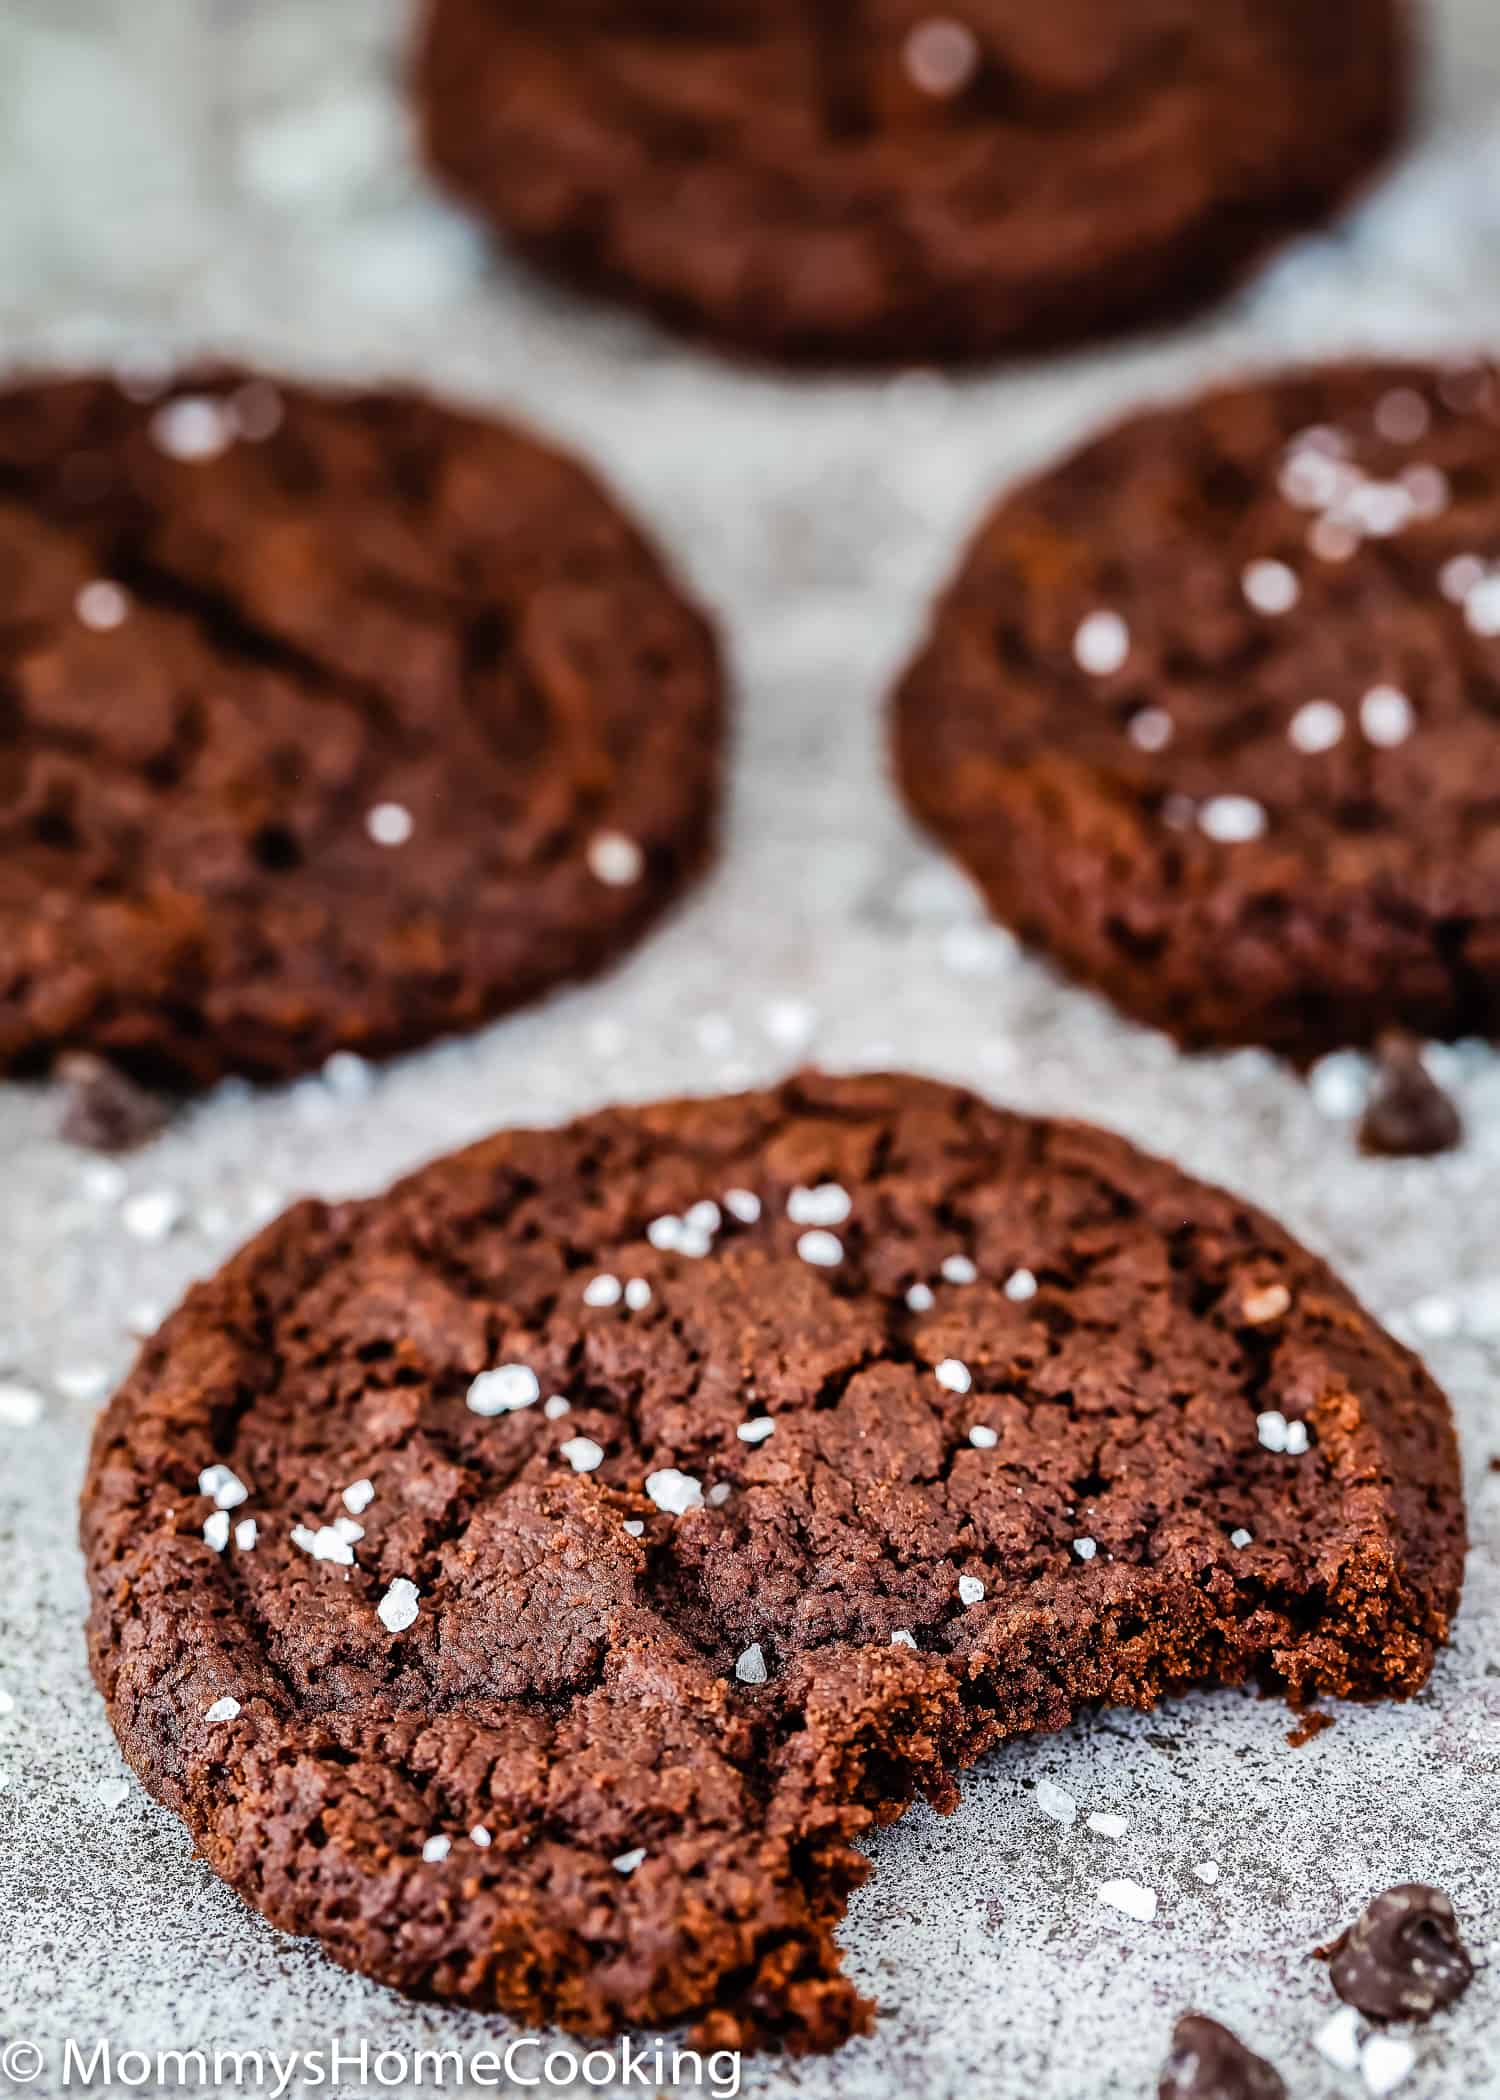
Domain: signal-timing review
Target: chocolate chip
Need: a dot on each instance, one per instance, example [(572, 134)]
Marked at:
[(1209, 2063), (1402, 1957), (1408, 1115), (104, 1111)]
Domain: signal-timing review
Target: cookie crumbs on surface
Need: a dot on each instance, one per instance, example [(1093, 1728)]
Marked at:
[(1270, 587), (480, 1836), (822, 1249), (903, 1637), (970, 1590), (246, 1533), (827, 1204), (1131, 1897), (436, 1848), (390, 823), (673, 1491), (582, 1454), (1385, 2061), (358, 1496), (959, 1269), (627, 1862), (983, 1438), (507, 1387), (225, 1709), (637, 1294), (1020, 1285), (102, 605), (743, 1204), (603, 1291), (216, 1530), (152, 1214), (1056, 1802), (397, 1609), (1232, 820), (1101, 644), (757, 1431), (323, 1544), (615, 860), (751, 1666), (941, 55), (919, 1298), (1316, 726), (1085, 1548), (953, 1376), (1108, 1826)]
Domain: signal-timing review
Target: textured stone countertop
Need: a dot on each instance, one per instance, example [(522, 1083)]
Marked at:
[(190, 173)]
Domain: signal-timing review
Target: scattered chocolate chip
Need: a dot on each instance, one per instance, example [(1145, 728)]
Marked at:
[(1408, 1115), (1207, 2062), (103, 1110), (1308, 1725), (1402, 1957)]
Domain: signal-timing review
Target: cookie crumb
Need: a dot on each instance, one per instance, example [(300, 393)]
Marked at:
[(1408, 1115), (103, 1109)]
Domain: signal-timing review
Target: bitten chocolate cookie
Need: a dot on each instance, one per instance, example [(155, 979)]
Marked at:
[(325, 721), (534, 1580), (1212, 708), (852, 179)]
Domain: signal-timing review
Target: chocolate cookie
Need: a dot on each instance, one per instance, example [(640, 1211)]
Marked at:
[(844, 179), (325, 721), (534, 1580), (1212, 708)]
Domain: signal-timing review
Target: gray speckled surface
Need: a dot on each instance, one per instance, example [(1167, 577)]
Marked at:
[(234, 174)]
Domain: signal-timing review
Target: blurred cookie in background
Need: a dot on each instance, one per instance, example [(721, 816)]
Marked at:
[(1212, 709), (888, 180), (327, 721)]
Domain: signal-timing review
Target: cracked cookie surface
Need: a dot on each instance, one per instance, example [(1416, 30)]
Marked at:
[(882, 179), (533, 1580), (1211, 709), (326, 721)]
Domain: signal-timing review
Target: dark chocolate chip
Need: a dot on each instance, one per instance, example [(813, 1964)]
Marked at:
[(1402, 1957), (1209, 2063), (1408, 1115), (103, 1110)]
